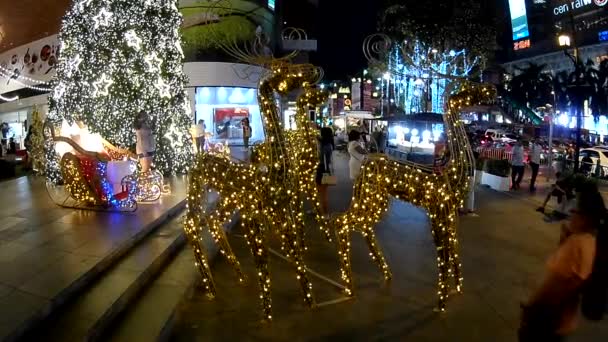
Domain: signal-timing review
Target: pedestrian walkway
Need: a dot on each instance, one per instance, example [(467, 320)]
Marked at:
[(503, 254), (48, 253)]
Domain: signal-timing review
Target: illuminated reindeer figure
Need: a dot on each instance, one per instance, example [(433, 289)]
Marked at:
[(305, 152), (441, 194), (266, 193)]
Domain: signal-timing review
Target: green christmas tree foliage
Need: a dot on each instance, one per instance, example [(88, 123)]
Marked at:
[(120, 57), (37, 143)]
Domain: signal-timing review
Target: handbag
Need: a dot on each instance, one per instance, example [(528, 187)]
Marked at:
[(328, 178)]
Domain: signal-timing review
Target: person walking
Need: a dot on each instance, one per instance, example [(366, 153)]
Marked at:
[(534, 159), (246, 132), (576, 275), (517, 165), (357, 154), (326, 148)]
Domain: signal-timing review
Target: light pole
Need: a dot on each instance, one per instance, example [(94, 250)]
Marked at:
[(387, 77), (565, 41)]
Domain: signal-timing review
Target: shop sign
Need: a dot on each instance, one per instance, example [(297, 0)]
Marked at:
[(521, 45), (344, 90), (576, 5)]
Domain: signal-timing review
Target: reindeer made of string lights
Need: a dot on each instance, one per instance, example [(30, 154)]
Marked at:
[(268, 192), (440, 194)]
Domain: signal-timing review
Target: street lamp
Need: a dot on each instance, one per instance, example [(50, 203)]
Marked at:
[(578, 89), (564, 40)]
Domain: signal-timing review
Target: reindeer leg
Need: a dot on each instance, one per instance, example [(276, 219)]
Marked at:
[(343, 241), (293, 241), (216, 223), (439, 227), (454, 256), (376, 252), (200, 259), (255, 239)]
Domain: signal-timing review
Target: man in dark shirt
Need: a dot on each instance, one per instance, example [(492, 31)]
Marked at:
[(561, 188)]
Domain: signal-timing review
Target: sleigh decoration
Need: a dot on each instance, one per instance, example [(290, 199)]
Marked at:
[(94, 174)]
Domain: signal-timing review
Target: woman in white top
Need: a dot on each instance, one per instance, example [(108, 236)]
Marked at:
[(146, 146), (357, 154)]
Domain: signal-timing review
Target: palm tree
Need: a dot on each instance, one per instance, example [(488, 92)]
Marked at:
[(532, 87)]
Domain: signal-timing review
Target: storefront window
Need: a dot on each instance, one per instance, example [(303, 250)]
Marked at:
[(223, 109), (13, 126)]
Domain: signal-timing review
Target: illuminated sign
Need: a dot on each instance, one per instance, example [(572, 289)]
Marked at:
[(344, 90), (521, 45), (271, 4), (577, 4), (603, 35), (519, 19)]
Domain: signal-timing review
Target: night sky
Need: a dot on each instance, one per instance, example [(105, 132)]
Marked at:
[(343, 25)]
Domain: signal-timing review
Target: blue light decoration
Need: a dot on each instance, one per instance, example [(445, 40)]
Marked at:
[(271, 4), (419, 76), (519, 19), (603, 36)]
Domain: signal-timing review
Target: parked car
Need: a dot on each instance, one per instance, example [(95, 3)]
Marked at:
[(596, 154)]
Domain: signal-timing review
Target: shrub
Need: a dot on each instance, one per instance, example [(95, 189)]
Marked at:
[(500, 168)]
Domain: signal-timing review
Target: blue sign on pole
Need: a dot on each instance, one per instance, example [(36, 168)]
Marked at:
[(519, 19)]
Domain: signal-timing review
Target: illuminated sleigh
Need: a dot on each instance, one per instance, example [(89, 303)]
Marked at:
[(96, 175)]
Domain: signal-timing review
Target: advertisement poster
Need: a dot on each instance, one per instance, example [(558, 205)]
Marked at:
[(36, 61), (227, 122), (519, 19)]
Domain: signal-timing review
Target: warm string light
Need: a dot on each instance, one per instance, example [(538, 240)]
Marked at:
[(110, 69), (9, 72), (305, 150), (268, 193), (36, 152), (440, 194), (84, 174)]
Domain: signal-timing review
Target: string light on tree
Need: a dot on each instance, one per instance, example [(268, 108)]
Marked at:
[(83, 4), (108, 74), (73, 65), (133, 40), (153, 62), (163, 88), (102, 86), (103, 18)]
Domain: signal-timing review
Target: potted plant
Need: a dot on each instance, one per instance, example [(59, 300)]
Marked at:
[(496, 174)]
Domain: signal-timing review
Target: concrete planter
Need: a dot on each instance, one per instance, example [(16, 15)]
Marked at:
[(478, 175), (495, 182)]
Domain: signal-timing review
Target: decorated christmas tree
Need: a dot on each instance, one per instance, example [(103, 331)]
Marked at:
[(37, 143), (118, 58)]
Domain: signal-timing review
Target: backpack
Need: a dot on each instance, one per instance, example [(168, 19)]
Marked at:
[(594, 301)]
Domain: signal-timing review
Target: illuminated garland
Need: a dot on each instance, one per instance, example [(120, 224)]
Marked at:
[(440, 194), (111, 68)]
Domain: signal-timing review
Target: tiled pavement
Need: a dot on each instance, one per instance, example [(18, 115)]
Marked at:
[(45, 250), (503, 253)]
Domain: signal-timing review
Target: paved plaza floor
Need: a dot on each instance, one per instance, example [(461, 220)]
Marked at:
[(503, 252), (47, 252)]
